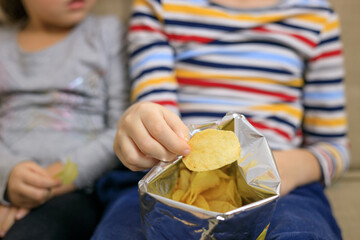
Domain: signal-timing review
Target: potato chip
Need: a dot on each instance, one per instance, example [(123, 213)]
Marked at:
[(231, 193), (200, 183), (184, 179), (221, 174), (216, 192), (212, 149), (178, 194), (201, 203), (68, 173), (220, 206)]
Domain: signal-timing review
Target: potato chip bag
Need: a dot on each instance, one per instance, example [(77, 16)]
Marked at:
[(218, 191)]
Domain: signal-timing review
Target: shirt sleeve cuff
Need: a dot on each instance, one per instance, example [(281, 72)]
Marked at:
[(325, 163)]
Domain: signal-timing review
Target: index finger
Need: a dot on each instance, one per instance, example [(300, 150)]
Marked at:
[(39, 181), (38, 169), (163, 131)]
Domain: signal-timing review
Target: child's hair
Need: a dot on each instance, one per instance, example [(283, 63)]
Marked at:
[(14, 10)]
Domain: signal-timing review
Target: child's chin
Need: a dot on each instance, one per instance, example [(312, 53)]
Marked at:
[(73, 19)]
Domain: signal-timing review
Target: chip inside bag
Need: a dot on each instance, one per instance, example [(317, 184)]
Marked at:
[(226, 188)]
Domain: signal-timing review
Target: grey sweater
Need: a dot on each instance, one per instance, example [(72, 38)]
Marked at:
[(64, 101)]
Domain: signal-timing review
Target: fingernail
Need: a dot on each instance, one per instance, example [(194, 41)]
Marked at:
[(2, 234), (186, 152)]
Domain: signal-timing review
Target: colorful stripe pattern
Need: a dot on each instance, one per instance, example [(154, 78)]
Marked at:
[(282, 67)]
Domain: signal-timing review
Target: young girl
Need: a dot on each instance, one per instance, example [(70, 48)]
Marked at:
[(278, 62), (61, 94)]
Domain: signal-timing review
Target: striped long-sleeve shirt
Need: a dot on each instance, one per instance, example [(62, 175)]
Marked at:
[(281, 66)]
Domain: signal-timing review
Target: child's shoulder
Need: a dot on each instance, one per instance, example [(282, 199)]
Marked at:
[(6, 31), (105, 25), (7, 35)]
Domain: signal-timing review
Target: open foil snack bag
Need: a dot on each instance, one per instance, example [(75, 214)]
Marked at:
[(235, 201)]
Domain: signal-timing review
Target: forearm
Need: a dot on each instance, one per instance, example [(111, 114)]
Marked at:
[(297, 167)]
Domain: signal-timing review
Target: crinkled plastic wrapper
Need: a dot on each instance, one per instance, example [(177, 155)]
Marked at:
[(257, 181)]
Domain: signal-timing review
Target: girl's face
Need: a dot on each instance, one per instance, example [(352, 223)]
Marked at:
[(57, 13)]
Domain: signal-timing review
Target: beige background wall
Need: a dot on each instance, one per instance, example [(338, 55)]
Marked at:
[(118, 7)]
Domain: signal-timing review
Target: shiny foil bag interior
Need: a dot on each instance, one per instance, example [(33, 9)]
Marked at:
[(257, 181)]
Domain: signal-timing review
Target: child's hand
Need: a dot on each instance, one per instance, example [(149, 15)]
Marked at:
[(30, 185), (8, 216), (148, 133)]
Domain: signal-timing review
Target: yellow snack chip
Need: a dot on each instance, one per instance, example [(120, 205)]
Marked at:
[(184, 179), (201, 182), (215, 193), (177, 195), (213, 190), (220, 206), (69, 173), (201, 203), (212, 149)]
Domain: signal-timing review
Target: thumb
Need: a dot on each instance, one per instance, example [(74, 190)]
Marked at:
[(21, 212)]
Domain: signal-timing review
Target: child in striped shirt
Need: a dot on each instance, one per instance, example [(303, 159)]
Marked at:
[(278, 62)]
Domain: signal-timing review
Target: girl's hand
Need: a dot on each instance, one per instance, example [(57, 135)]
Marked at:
[(30, 185), (8, 216), (148, 133)]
